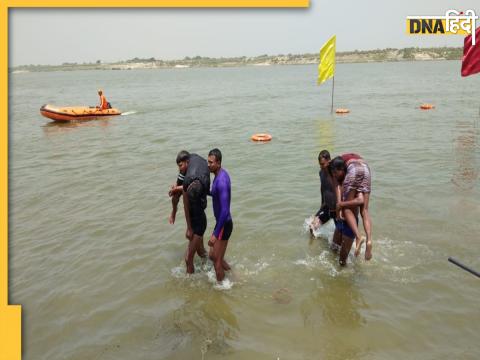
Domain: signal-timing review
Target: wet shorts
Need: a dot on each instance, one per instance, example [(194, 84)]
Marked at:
[(197, 202), (199, 223), (357, 178), (342, 226), (226, 231)]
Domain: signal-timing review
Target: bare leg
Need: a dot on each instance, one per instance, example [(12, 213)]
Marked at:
[(352, 222), (219, 248), (225, 265), (192, 248), (189, 255), (367, 225), (201, 249), (345, 249), (211, 256), (337, 240)]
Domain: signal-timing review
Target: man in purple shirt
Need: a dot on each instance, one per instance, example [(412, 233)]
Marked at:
[(221, 195)]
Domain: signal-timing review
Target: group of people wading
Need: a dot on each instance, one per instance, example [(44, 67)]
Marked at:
[(345, 193), (193, 182)]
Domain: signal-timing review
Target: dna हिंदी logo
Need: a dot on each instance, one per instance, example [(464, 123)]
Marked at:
[(453, 23)]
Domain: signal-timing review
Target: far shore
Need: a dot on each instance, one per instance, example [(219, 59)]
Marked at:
[(385, 55)]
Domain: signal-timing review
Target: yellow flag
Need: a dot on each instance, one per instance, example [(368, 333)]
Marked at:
[(326, 68)]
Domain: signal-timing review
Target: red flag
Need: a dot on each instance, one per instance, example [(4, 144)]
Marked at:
[(471, 55)]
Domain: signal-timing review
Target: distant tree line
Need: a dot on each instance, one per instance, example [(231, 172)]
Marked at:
[(388, 54)]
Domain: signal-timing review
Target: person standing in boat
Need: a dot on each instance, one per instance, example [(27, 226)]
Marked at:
[(104, 104)]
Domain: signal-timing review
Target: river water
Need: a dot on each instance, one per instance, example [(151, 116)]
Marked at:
[(100, 273)]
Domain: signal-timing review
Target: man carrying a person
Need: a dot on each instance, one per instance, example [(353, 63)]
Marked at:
[(353, 178), (196, 185)]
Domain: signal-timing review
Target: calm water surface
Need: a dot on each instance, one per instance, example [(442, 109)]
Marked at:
[(99, 270)]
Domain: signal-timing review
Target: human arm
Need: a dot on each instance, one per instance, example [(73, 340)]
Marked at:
[(357, 201), (321, 189), (186, 208), (338, 195), (223, 194), (175, 190), (175, 200), (212, 240)]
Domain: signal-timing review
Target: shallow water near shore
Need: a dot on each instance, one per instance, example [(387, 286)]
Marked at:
[(100, 273)]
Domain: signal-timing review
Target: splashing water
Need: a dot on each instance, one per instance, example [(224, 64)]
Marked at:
[(201, 270), (324, 231), (225, 284), (257, 268)]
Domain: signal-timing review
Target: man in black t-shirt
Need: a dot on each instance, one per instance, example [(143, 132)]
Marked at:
[(196, 185), (328, 204)]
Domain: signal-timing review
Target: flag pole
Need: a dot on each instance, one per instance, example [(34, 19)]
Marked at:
[(333, 90), (464, 267)]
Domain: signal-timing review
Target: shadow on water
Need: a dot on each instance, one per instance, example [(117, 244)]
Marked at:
[(203, 323), (54, 127), (466, 172), (332, 316)]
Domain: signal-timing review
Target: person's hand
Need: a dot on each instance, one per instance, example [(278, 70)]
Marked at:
[(171, 219), (212, 240), (171, 191), (339, 206), (189, 234)]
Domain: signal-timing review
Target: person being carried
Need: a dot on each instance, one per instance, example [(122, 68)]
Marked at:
[(353, 188), (196, 185), (175, 192), (327, 191), (104, 104), (221, 196)]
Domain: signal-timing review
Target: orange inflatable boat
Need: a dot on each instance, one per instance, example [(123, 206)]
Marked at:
[(76, 113)]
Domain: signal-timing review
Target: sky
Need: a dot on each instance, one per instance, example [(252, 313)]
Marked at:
[(56, 36)]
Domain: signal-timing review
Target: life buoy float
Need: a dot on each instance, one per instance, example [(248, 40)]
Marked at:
[(342, 111), (427, 106), (261, 137)]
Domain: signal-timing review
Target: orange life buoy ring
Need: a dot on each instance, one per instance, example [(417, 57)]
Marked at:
[(426, 106), (342, 111), (261, 137)]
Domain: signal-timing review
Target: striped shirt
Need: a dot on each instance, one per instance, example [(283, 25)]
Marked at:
[(180, 179)]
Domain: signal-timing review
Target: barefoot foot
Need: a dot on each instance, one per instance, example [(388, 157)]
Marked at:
[(226, 266), (358, 246), (368, 250)]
